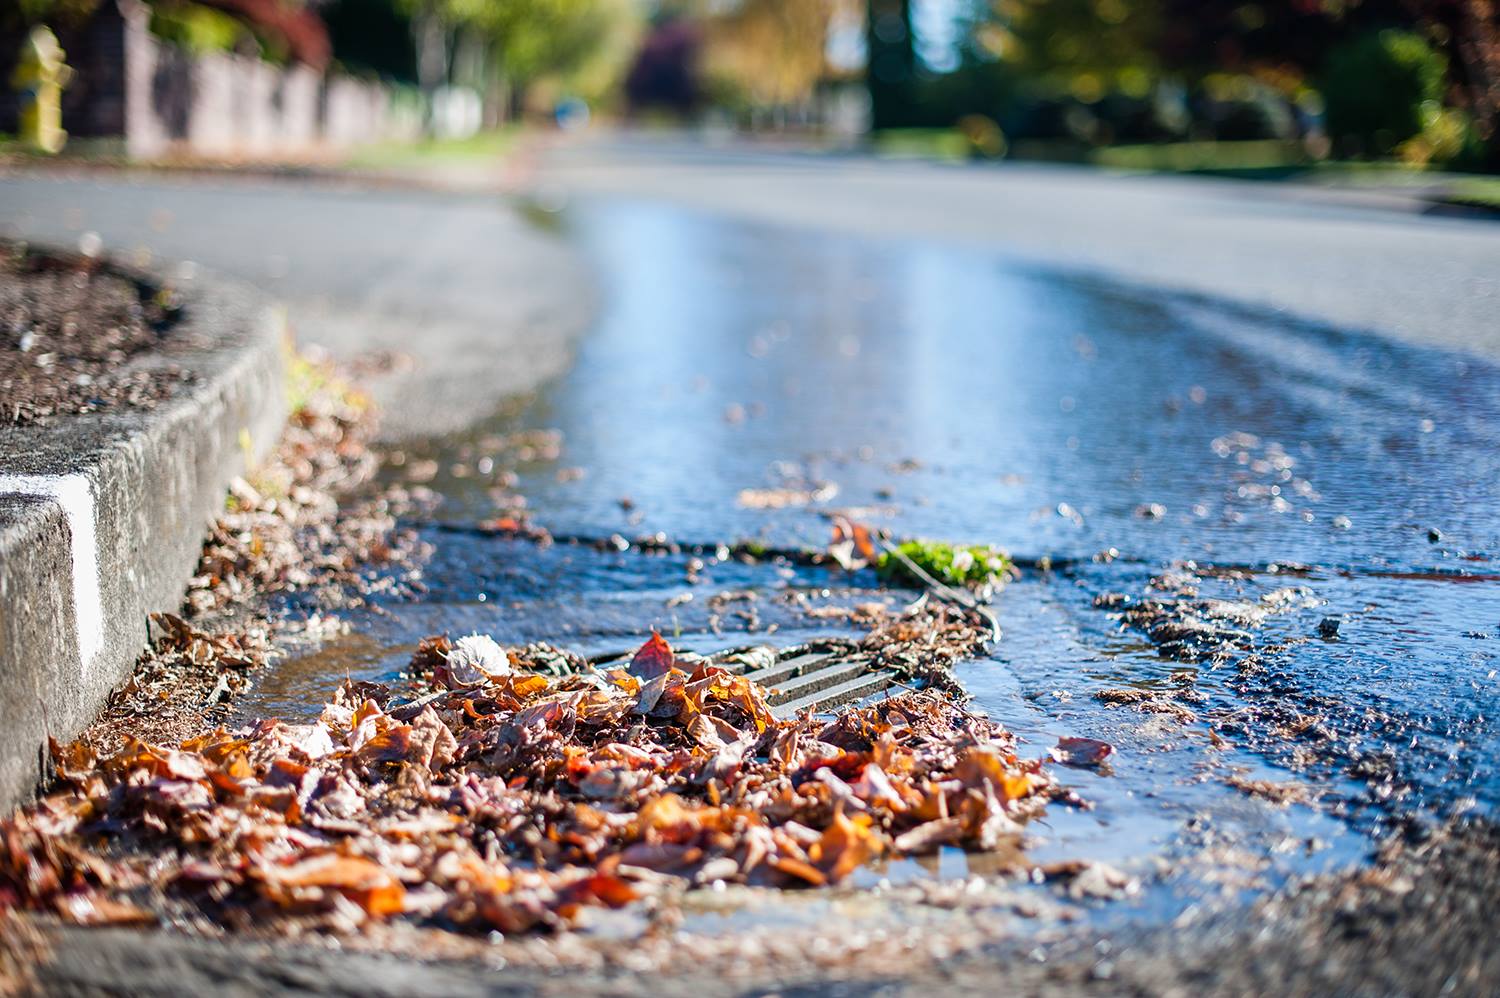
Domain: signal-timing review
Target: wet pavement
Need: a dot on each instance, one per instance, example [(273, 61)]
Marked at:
[(1336, 492), (496, 300)]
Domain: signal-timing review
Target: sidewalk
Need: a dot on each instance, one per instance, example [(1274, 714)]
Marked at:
[(101, 515)]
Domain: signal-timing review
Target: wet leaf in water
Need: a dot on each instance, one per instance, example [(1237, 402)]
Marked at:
[(1085, 753)]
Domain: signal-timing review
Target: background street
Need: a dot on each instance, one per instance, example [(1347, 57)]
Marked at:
[(1357, 259), (477, 298)]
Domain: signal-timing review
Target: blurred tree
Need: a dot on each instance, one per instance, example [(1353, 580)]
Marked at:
[(1289, 43), (891, 64), (1087, 48), (1469, 31), (1069, 71), (277, 30), (198, 28), (770, 53), (60, 15), (503, 49), (1381, 89)]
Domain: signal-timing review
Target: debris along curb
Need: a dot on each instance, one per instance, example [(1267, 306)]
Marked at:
[(102, 515)]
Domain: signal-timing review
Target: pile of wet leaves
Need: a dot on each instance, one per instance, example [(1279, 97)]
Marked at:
[(185, 677), (490, 797)]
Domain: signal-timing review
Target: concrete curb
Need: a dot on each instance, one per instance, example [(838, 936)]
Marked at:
[(102, 518)]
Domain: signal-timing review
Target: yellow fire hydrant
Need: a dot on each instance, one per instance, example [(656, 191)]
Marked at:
[(39, 78)]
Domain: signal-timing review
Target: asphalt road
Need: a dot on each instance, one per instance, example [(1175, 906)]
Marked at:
[(476, 303), (486, 304), (1362, 260), (745, 338)]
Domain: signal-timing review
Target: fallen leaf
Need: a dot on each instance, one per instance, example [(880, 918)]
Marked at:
[(846, 844), (93, 909), (930, 835), (1085, 753), (362, 881), (653, 659)]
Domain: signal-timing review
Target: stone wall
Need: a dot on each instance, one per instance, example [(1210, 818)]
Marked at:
[(158, 100)]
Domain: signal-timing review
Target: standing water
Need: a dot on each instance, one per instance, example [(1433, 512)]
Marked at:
[(1334, 492)]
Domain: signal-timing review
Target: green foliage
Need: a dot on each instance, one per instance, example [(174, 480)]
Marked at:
[(921, 143), (57, 14), (1479, 192), (531, 39), (1204, 157), (1086, 48), (955, 565), (197, 28), (1382, 89)]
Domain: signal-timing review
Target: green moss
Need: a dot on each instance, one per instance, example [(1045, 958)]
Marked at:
[(955, 565)]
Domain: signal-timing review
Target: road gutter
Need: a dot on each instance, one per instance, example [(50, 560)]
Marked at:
[(102, 518)]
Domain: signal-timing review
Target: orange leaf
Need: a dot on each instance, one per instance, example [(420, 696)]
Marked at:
[(362, 881), (846, 845), (606, 888), (87, 909), (653, 659), (803, 871)]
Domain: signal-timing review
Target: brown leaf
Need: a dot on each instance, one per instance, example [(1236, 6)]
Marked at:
[(1085, 753), (432, 743), (362, 881), (94, 909), (394, 744), (74, 760), (651, 693), (928, 836), (654, 658)]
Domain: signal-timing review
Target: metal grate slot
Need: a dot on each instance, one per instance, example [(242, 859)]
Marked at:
[(850, 690), (789, 668), (830, 675), (799, 678)]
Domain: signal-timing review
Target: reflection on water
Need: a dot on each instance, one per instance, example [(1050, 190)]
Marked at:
[(982, 397)]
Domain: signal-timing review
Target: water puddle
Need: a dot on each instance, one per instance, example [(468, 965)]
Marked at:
[(948, 393)]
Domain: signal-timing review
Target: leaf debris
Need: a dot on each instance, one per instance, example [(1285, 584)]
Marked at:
[(509, 800)]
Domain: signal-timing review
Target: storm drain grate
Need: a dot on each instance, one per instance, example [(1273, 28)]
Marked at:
[(818, 677)]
